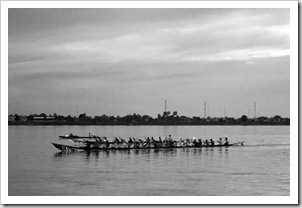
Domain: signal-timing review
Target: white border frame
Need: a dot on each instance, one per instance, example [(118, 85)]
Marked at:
[(292, 199)]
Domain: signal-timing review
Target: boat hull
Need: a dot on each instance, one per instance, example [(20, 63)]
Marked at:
[(68, 148)]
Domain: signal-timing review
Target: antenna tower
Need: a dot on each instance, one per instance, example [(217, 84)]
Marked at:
[(165, 105), (205, 109), (254, 110)]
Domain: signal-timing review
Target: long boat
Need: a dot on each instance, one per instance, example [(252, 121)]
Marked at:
[(69, 148)]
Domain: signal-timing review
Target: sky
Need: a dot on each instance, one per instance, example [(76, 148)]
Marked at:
[(125, 61)]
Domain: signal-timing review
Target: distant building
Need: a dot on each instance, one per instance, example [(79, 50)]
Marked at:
[(44, 119)]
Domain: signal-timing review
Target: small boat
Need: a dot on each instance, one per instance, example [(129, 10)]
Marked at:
[(93, 146), (71, 136)]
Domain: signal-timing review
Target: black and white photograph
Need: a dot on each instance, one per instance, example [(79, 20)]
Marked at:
[(153, 101)]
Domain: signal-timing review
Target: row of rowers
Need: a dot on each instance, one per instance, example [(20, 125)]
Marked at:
[(167, 140)]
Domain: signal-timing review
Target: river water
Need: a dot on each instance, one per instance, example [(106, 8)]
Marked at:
[(260, 168)]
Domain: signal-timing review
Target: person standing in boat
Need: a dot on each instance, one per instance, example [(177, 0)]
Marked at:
[(160, 142), (106, 142), (170, 141)]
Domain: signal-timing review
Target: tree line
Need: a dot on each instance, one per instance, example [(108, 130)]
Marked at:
[(137, 119)]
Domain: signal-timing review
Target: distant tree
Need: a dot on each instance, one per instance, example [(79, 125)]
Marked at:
[(30, 117), (69, 118), (61, 118), (277, 117), (17, 117), (262, 118), (83, 115), (43, 115), (243, 118)]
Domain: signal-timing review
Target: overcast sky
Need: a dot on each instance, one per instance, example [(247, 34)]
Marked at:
[(121, 61)]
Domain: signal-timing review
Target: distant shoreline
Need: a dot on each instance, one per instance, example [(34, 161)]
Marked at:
[(145, 120), (43, 124)]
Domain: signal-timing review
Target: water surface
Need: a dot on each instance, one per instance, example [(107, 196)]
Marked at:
[(261, 167)]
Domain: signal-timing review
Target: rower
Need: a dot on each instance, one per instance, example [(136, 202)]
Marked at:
[(116, 140), (206, 143), (194, 142), (98, 139), (211, 142), (226, 143), (219, 141), (170, 141), (130, 140), (122, 140), (199, 143), (152, 140)]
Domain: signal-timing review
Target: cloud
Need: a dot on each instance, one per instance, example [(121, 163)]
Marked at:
[(202, 35), (144, 54)]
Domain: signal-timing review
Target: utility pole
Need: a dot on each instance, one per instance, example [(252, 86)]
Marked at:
[(205, 110), (254, 110), (165, 105)]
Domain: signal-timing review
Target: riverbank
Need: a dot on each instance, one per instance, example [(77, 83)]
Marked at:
[(142, 124)]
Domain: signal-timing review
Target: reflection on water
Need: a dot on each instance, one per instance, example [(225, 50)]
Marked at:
[(109, 152), (148, 154)]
